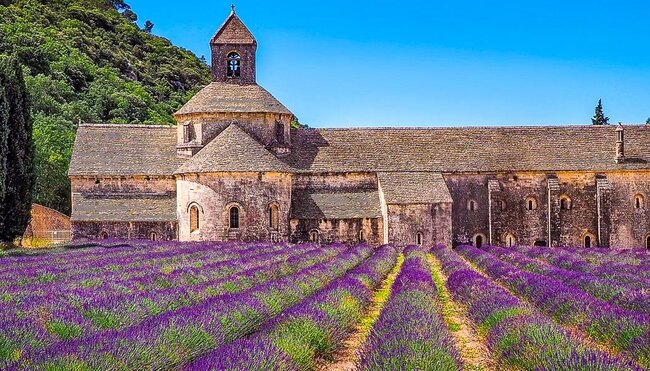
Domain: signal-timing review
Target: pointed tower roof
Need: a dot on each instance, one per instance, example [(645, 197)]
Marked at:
[(233, 31), (233, 151)]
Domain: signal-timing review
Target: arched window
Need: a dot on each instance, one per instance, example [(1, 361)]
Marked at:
[(511, 240), (279, 131), (234, 217), (471, 205), (362, 237), (153, 236), (587, 241), (274, 219), (639, 201), (103, 235), (647, 242), (565, 203), (314, 236), (195, 223), (234, 65), (531, 203), (418, 239)]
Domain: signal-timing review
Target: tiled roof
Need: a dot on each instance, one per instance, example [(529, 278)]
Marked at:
[(123, 208), (223, 97), (124, 150), (321, 204), (233, 31), (413, 188), (468, 149), (233, 150)]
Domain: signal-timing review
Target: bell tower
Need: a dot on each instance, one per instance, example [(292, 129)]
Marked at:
[(233, 52)]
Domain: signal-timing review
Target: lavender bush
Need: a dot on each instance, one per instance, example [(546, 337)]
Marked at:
[(410, 333), (520, 337), (309, 330)]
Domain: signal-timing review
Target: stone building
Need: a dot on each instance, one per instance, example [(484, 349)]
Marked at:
[(234, 168)]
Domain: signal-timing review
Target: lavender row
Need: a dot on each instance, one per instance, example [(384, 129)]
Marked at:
[(631, 298), (629, 274), (520, 337), (176, 337), (410, 332), (69, 321), (309, 330), (128, 260), (81, 314), (621, 329)]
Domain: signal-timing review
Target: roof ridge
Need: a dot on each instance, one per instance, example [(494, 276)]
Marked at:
[(232, 16), (530, 127)]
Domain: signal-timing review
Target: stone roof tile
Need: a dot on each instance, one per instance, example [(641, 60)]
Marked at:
[(233, 31), (323, 204), (124, 150), (413, 188), (123, 208), (233, 150)]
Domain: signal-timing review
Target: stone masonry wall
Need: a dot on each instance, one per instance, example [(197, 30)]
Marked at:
[(629, 226), (345, 231), (215, 193), (164, 231)]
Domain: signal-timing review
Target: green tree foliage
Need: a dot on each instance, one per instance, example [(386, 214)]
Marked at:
[(148, 26), (4, 132), (599, 116), (85, 62), (19, 181)]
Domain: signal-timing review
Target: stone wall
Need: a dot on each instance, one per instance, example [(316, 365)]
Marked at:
[(345, 231), (629, 226), (131, 185), (220, 62), (215, 194), (162, 231)]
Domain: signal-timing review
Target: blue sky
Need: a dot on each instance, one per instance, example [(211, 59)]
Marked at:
[(436, 63)]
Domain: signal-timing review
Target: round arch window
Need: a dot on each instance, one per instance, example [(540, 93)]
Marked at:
[(234, 64)]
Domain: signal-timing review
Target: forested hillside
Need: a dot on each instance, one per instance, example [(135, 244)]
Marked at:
[(88, 61)]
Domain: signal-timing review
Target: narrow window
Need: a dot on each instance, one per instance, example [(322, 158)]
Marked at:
[(565, 203), (639, 201), (647, 242), (510, 240), (153, 236), (194, 218), (587, 242), (471, 205), (418, 239), (273, 217), (279, 131), (234, 65), (234, 217), (362, 238), (479, 241), (314, 236), (531, 203)]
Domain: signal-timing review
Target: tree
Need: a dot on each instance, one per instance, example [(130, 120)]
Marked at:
[(130, 15), (4, 132), (647, 122), (19, 182), (148, 26), (599, 117)]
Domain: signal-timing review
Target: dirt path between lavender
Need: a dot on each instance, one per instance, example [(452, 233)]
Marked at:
[(346, 357)]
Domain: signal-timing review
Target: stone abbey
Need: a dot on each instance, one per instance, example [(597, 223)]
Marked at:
[(234, 168)]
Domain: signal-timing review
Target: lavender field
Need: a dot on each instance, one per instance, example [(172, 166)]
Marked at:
[(134, 305)]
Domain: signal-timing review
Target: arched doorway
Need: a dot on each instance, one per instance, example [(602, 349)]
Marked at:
[(478, 241), (587, 242), (647, 242)]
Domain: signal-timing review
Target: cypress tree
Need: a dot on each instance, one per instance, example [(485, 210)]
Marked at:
[(599, 117), (4, 132), (19, 180)]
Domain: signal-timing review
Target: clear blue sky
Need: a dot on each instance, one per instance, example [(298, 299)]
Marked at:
[(436, 63)]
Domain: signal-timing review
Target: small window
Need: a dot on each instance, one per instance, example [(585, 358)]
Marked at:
[(103, 235), (588, 242), (234, 217), (565, 203), (153, 236), (418, 239), (362, 237), (274, 219), (275, 237), (314, 236), (194, 219), (499, 206), (471, 205), (639, 202), (279, 131), (531, 203), (511, 240), (647, 242), (234, 65)]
